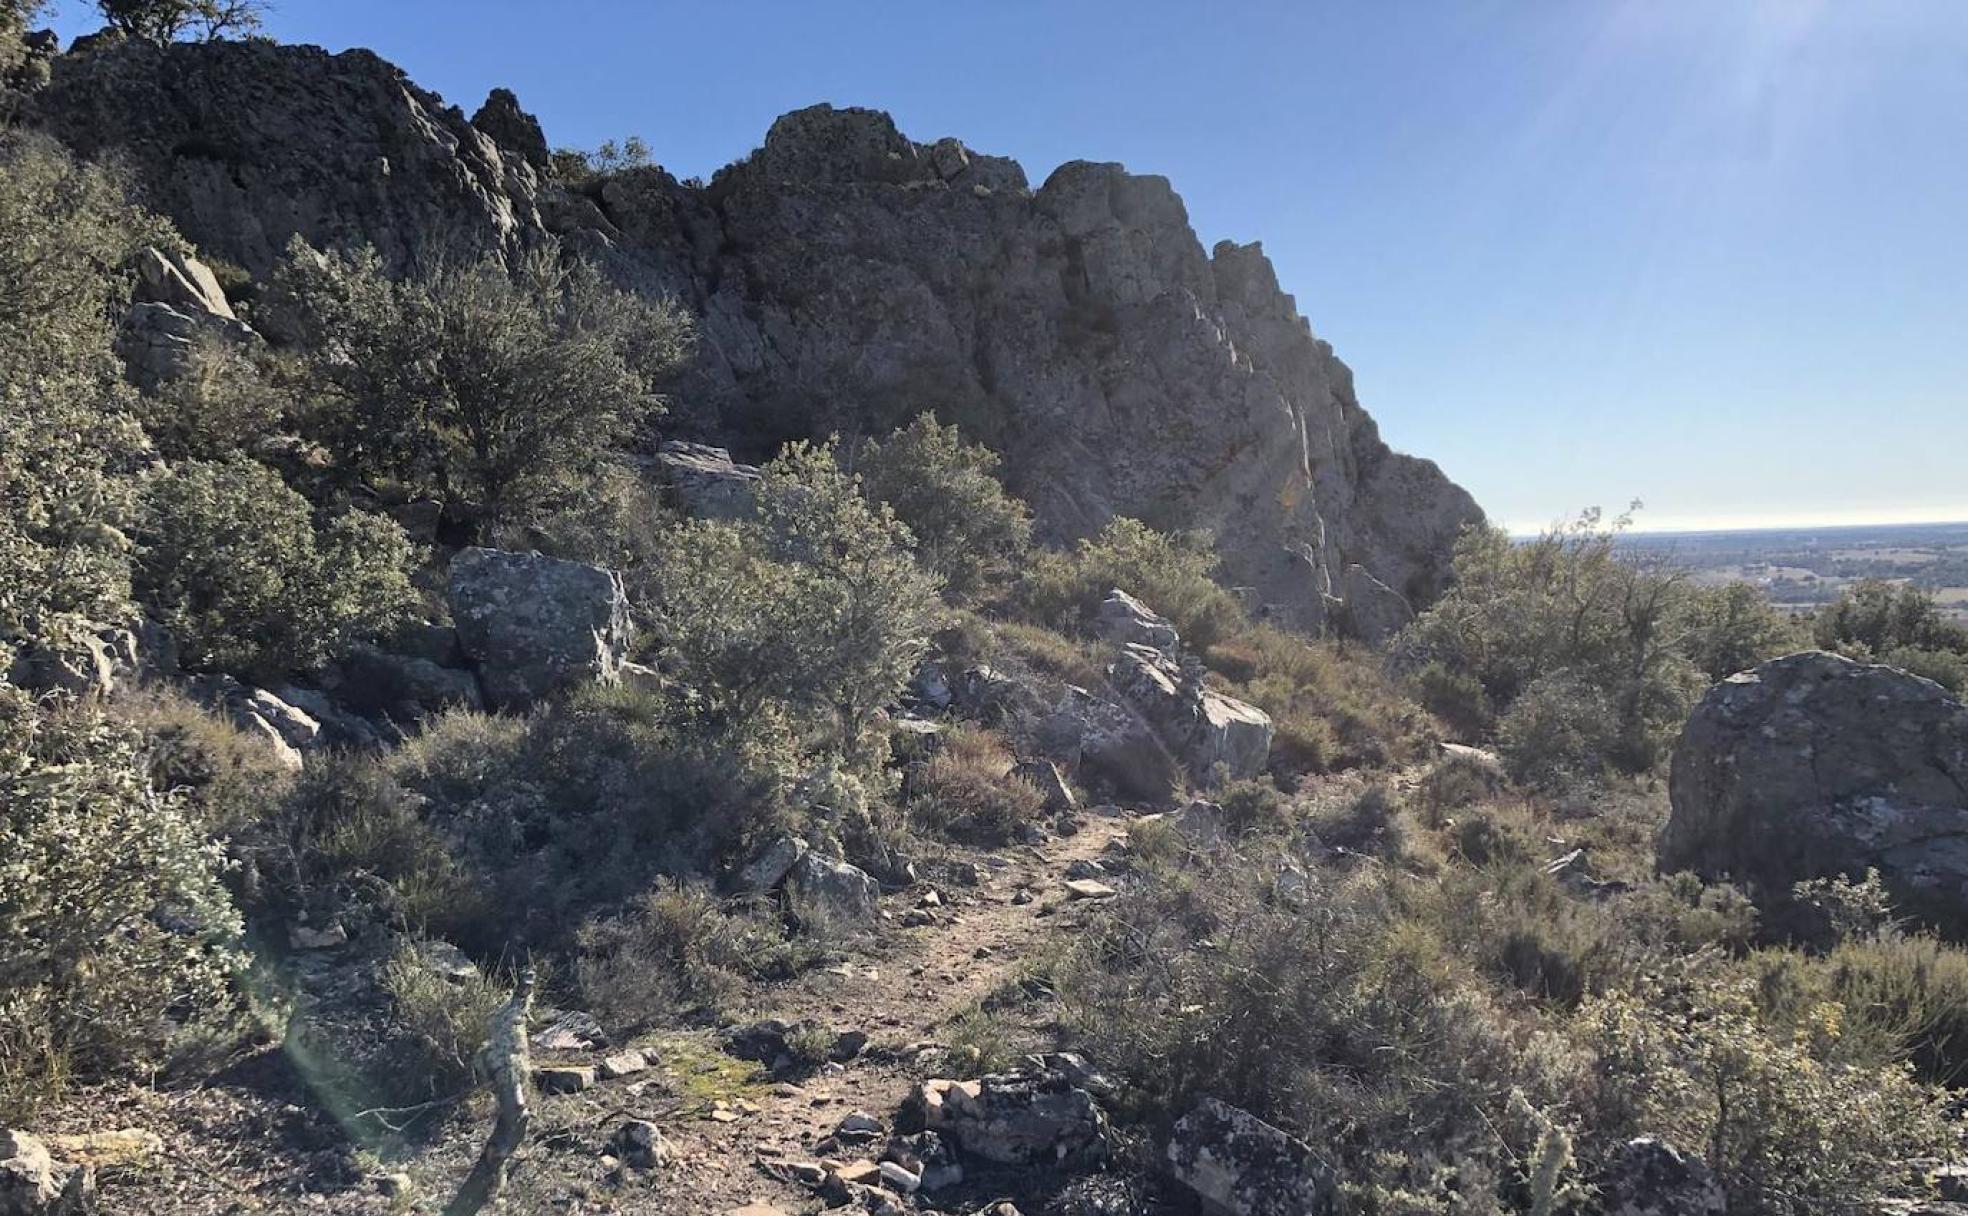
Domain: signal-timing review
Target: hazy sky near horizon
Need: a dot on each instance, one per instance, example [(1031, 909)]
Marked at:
[(1711, 254)]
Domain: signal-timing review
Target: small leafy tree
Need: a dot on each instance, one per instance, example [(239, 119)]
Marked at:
[(232, 560), (169, 20), (497, 391), (815, 604), (1734, 627), (1898, 624), (967, 528)]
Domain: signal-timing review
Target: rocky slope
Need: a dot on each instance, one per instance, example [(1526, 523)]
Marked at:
[(845, 278)]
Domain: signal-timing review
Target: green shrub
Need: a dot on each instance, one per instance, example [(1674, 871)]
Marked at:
[(231, 778), (1734, 627), (1690, 1057), (814, 606), (1171, 574), (115, 935), (166, 20), (966, 791), (1333, 704), (496, 392), (1875, 617), (947, 493), (1594, 630), (219, 405), (232, 561)]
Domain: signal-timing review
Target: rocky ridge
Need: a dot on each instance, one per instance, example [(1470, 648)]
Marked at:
[(844, 278)]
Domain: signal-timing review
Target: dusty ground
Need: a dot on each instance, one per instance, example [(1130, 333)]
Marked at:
[(255, 1139)]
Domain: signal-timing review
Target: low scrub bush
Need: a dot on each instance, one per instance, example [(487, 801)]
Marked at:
[(966, 789), (675, 954), (438, 1025), (1333, 704), (946, 491), (1171, 574)]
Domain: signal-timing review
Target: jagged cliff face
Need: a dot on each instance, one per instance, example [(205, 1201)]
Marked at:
[(845, 278)]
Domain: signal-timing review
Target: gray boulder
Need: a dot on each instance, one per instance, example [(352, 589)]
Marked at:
[(1202, 726), (822, 891), (704, 482), (1239, 1165), (1112, 742), (1124, 619), (1044, 776), (376, 681), (1651, 1178), (774, 862), (181, 281), (536, 626), (1812, 765)]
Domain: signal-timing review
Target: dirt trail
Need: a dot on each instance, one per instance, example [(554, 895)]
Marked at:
[(902, 990)]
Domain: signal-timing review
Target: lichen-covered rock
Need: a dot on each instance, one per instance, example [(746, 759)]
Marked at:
[(536, 626), (842, 275), (1651, 1178), (1014, 1118), (704, 482), (1813, 765), (514, 130), (1239, 1165), (1124, 619), (824, 891)]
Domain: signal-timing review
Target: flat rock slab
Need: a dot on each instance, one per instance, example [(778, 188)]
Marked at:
[(1088, 888)]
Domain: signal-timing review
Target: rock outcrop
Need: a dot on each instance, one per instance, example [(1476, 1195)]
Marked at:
[(535, 626), (1813, 765), (1021, 1118), (843, 277), (1651, 1178), (1202, 726)]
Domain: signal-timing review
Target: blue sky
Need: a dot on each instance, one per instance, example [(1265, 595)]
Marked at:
[(1709, 254)]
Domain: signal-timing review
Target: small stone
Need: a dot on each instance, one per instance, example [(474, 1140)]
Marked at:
[(640, 1144), (859, 1125), (564, 1079), (1086, 868), (302, 937), (858, 1173), (1087, 888), (900, 1178), (808, 1173), (622, 1064)]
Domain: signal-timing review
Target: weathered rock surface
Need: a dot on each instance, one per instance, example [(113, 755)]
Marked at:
[(1813, 765), (1124, 619), (536, 626), (842, 276), (1112, 742), (1202, 726), (825, 891), (704, 482), (33, 1183), (1239, 1165), (1013, 1118), (1651, 1178)]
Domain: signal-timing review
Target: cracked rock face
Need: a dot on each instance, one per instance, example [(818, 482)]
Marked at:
[(844, 278), (1813, 765)]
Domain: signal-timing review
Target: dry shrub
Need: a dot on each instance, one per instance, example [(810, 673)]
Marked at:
[(1334, 705), (966, 790), (675, 953)]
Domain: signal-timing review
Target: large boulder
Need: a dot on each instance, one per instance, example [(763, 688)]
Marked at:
[(1368, 609), (824, 891), (1112, 742), (1239, 1165), (535, 626), (1202, 726), (1814, 765)]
